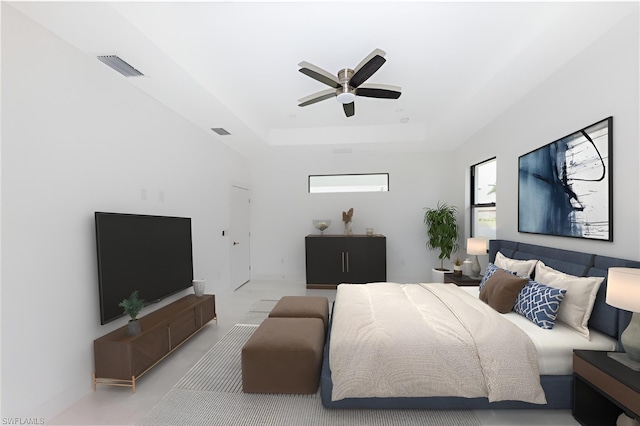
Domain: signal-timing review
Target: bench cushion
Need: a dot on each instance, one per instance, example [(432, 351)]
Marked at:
[(284, 355), (302, 307)]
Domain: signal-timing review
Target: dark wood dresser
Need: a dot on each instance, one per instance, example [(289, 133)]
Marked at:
[(336, 259)]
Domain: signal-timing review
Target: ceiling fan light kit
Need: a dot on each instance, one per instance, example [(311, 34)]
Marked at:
[(346, 97), (348, 83)]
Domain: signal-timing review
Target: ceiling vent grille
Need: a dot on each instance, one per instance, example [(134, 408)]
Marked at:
[(220, 131), (121, 66)]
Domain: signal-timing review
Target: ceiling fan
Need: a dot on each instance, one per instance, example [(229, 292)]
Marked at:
[(349, 83)]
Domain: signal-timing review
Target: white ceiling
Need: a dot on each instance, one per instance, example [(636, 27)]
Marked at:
[(235, 64)]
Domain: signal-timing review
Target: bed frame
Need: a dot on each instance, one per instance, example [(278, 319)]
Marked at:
[(558, 389)]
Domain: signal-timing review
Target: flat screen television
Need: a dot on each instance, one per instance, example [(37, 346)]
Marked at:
[(151, 254)]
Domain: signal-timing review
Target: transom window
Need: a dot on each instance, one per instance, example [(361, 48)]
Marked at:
[(378, 182)]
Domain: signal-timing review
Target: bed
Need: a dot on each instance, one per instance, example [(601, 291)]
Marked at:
[(605, 326)]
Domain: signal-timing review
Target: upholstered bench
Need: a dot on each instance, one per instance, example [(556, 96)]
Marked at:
[(302, 307), (284, 355)]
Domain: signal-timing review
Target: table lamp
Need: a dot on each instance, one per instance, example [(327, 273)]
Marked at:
[(623, 291), (477, 247)]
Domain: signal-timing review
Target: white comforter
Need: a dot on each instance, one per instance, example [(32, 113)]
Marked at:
[(412, 340)]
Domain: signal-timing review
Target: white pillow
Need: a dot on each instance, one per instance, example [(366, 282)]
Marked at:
[(523, 268), (575, 309)]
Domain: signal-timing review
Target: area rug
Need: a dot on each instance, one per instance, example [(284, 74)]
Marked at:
[(211, 394), (259, 311)]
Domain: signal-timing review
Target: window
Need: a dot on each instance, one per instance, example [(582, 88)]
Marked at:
[(483, 199), (349, 183)]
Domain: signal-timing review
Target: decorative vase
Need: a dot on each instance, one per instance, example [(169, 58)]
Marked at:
[(347, 228), (198, 287), (466, 267), (133, 328)]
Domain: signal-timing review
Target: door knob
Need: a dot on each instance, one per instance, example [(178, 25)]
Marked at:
[(235, 243)]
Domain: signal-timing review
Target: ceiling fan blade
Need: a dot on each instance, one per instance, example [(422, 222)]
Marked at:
[(317, 97), (367, 68), (383, 91), (319, 74), (378, 52), (349, 109)]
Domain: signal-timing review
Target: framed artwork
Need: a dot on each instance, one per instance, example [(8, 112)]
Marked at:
[(565, 187)]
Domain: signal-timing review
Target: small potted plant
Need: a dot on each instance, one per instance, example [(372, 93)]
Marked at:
[(457, 267), (131, 307)]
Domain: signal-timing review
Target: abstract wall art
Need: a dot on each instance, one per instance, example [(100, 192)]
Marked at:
[(565, 187)]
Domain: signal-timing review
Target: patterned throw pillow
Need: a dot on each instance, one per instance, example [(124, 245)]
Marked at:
[(491, 269), (539, 303)]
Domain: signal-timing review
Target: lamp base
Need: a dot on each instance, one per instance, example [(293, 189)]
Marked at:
[(623, 358), (475, 268)]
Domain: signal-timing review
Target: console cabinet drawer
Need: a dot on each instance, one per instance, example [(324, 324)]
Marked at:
[(182, 327), (148, 349)]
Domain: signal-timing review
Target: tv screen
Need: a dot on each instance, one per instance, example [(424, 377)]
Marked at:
[(151, 254)]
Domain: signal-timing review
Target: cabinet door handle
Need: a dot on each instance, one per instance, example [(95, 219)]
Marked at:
[(347, 261), (342, 261)]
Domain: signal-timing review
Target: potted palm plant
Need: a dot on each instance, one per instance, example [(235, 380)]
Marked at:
[(131, 307), (442, 230)]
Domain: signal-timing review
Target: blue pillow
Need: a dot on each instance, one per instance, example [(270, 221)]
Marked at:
[(539, 303), (491, 269)]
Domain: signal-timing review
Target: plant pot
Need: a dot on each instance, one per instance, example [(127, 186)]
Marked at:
[(457, 270), (133, 328), (437, 275)]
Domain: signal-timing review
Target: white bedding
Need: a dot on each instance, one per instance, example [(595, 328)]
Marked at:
[(390, 340), (555, 347)]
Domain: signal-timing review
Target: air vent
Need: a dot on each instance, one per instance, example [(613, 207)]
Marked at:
[(220, 131), (119, 65)]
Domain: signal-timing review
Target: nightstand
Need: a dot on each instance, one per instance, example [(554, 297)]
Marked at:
[(603, 388), (462, 280)]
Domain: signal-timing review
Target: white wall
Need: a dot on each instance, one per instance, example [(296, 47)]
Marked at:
[(78, 138), (282, 210), (599, 82)]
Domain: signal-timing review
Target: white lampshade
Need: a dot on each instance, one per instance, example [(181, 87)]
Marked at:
[(623, 288), (477, 246)]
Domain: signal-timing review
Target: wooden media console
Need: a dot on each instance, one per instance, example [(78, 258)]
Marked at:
[(120, 359)]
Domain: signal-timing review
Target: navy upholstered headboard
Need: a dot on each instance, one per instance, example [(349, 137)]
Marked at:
[(604, 318)]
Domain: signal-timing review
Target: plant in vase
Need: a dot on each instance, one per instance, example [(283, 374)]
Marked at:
[(346, 218), (132, 307), (457, 267), (442, 230)]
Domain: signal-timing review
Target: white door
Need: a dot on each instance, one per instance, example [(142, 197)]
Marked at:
[(239, 236)]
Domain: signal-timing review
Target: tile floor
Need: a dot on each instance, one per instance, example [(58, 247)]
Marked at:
[(118, 406)]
